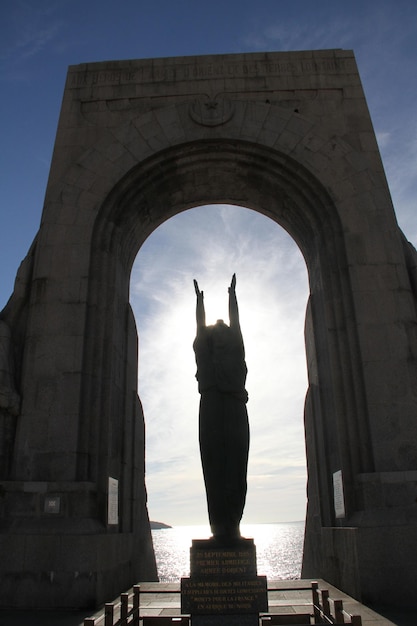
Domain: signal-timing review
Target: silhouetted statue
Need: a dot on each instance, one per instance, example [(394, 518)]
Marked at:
[(223, 418)]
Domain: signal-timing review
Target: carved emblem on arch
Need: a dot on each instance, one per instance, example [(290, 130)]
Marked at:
[(211, 111)]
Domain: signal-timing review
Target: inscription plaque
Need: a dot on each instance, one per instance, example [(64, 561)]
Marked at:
[(113, 502), (339, 499), (224, 596), (143, 72), (207, 560)]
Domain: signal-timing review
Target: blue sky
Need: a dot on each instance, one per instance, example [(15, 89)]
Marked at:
[(38, 40)]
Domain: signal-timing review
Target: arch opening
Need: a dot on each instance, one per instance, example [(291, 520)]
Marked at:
[(210, 243)]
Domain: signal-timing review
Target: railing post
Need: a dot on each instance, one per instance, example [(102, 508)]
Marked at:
[(136, 605), (338, 611), (316, 601), (108, 614), (89, 621), (124, 608), (325, 602)]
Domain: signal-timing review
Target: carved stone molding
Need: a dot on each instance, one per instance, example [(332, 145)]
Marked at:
[(212, 111)]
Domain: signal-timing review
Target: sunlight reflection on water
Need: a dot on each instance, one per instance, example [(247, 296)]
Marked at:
[(279, 549)]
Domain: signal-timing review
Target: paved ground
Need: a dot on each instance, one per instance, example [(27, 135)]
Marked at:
[(153, 602)]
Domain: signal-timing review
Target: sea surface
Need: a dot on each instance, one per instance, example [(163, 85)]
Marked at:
[(279, 549)]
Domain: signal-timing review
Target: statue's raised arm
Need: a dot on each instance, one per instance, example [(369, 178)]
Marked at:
[(233, 308), (200, 312)]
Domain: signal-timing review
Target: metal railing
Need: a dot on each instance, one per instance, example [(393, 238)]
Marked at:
[(126, 612), (127, 616)]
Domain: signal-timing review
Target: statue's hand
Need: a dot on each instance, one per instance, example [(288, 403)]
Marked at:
[(233, 284), (198, 293)]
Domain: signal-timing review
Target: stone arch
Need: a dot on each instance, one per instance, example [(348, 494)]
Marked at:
[(292, 197), (286, 134)]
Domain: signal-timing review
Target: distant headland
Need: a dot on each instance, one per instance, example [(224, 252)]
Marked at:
[(158, 525)]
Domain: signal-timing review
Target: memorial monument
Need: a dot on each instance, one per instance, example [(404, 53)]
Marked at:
[(223, 418), (223, 587), (287, 134)]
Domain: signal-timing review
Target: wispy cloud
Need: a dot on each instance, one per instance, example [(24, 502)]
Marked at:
[(33, 39), (293, 34), (28, 30)]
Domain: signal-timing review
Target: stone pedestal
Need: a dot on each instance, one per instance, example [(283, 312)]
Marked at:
[(223, 587)]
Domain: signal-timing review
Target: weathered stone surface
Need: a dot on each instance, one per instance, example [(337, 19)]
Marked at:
[(289, 135)]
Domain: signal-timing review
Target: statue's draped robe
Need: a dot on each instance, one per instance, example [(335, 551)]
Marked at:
[(223, 424)]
